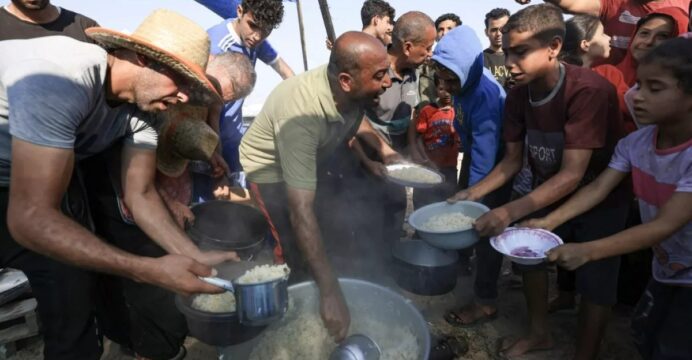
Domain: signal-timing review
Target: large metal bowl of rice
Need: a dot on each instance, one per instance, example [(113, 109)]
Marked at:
[(448, 226), (377, 312)]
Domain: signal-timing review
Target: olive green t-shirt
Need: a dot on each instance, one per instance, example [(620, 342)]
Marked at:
[(298, 128)]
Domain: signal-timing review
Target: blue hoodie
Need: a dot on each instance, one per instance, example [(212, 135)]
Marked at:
[(481, 99)]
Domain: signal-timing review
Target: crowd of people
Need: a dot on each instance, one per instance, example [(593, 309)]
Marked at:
[(576, 126)]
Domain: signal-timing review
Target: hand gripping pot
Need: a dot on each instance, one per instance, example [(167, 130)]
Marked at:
[(257, 304)]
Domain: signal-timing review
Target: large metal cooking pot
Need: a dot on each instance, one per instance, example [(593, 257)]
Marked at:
[(423, 269), (365, 300), (223, 225)]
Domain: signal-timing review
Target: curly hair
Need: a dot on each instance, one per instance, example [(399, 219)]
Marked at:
[(494, 14), (448, 16), (375, 8), (268, 13)]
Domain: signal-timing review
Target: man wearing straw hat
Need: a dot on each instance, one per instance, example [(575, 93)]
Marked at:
[(61, 101)]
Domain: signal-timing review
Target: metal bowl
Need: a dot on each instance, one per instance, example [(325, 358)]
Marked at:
[(450, 240), (414, 184), (423, 269), (261, 303), (365, 300), (217, 329), (223, 225)]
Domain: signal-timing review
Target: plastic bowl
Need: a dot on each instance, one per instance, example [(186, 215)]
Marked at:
[(450, 240), (525, 246)]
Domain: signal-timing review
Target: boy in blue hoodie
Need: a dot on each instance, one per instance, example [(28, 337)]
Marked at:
[(480, 99), (568, 117)]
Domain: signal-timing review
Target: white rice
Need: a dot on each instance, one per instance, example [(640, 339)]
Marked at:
[(455, 221), (264, 273), (415, 174), (303, 336), (215, 303)]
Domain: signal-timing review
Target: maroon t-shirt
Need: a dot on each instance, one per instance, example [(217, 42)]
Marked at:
[(582, 112)]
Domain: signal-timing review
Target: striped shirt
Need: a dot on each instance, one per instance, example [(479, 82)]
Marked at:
[(224, 39), (656, 175)]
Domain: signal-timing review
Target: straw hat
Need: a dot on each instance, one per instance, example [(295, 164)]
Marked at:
[(171, 39), (183, 136)]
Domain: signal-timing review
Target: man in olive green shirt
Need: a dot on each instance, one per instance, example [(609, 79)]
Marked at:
[(303, 121)]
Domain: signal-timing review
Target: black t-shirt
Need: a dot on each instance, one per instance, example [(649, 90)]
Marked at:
[(495, 62), (68, 24)]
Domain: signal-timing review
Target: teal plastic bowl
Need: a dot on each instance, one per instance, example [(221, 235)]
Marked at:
[(449, 240)]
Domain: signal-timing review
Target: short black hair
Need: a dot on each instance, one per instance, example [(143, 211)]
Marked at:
[(447, 16), (544, 20), (579, 28), (268, 14), (494, 14), (674, 55), (375, 8)]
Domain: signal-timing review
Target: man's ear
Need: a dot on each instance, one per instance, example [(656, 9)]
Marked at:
[(239, 10), (375, 21), (407, 47), (346, 82)]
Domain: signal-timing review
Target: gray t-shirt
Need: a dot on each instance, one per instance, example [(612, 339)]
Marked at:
[(52, 93), (392, 115)]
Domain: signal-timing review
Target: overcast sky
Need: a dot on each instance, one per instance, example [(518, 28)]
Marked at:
[(127, 14)]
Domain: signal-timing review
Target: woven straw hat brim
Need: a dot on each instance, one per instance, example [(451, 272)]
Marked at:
[(114, 39)]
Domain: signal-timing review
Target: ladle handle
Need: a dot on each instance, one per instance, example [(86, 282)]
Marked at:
[(224, 284)]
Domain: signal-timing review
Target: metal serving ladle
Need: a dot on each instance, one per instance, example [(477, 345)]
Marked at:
[(222, 283), (356, 347)]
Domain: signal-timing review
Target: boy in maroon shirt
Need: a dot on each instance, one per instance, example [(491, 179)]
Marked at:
[(571, 122)]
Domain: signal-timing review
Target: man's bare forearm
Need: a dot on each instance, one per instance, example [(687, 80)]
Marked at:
[(148, 210), (48, 232), (308, 236), (153, 217)]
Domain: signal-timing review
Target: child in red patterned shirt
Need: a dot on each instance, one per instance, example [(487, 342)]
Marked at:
[(435, 143)]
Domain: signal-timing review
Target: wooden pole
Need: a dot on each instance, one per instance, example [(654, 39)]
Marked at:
[(324, 8), (302, 35)]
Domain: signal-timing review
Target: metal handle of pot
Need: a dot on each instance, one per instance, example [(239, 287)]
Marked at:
[(224, 284)]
